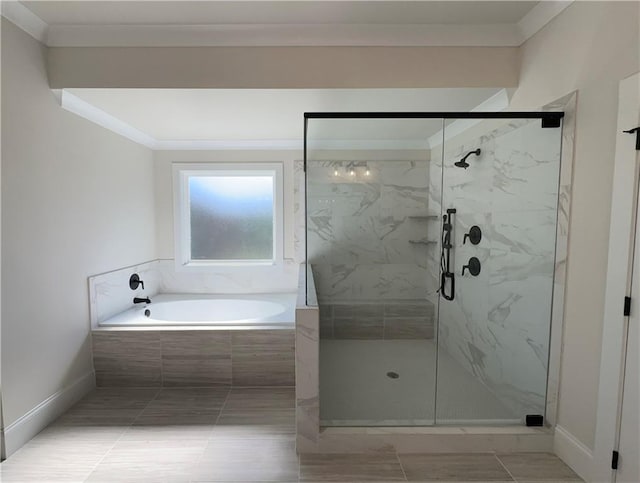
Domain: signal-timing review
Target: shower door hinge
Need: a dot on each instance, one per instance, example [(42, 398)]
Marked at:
[(627, 306), (614, 460), (635, 131)]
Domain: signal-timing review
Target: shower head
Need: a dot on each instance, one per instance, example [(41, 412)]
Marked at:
[(463, 162)]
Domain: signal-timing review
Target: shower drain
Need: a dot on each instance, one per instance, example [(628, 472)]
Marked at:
[(393, 375)]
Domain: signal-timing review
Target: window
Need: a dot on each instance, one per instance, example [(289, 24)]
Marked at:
[(228, 214)]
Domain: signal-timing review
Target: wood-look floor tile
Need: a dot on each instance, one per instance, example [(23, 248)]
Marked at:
[(261, 398), (167, 433), (149, 461), (108, 407), (171, 416), (45, 460), (59, 433), (350, 467), (453, 467), (255, 424), (248, 460), (537, 467), (194, 397)]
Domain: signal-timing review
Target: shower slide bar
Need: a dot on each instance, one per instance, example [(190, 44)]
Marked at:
[(445, 257)]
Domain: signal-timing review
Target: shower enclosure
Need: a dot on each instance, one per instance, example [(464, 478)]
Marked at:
[(431, 237)]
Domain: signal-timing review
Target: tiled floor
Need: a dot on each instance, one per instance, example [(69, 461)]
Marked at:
[(240, 434)]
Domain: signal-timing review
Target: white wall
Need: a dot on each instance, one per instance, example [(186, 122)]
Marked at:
[(76, 200), (590, 47)]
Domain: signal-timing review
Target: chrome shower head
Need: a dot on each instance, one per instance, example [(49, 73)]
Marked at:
[(463, 162)]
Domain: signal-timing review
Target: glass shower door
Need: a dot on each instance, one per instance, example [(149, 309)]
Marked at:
[(501, 178), (372, 234)]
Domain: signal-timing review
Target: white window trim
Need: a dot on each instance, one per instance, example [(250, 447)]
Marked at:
[(181, 216)]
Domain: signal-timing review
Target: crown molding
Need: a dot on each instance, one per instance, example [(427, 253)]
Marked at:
[(279, 35), (539, 16), (273, 35), (24, 18), (97, 116), (90, 112)]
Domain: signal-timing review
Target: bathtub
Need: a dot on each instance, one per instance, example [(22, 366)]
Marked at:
[(214, 311)]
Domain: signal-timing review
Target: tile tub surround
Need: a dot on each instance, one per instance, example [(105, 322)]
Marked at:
[(109, 293), (388, 321), (156, 358), (230, 434)]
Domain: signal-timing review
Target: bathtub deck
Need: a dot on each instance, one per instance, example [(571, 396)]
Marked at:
[(220, 434)]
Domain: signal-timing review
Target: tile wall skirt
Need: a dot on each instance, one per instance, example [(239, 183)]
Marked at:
[(194, 358)]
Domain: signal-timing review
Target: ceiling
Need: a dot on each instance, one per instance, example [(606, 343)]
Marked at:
[(88, 23), (278, 12), (193, 118)]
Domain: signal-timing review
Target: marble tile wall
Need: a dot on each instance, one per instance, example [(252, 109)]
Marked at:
[(307, 363), (110, 293), (154, 358), (368, 236), (498, 325), (369, 239)]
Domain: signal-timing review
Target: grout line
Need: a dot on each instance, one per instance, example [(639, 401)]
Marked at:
[(224, 403), (503, 465), (121, 435), (401, 467)]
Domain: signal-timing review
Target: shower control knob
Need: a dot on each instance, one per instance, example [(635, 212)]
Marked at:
[(473, 266), (474, 235)]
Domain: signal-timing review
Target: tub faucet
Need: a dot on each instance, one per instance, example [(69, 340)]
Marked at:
[(137, 300)]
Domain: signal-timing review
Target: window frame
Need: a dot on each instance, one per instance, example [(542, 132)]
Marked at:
[(182, 172)]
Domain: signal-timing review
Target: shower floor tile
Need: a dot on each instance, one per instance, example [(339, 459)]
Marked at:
[(356, 388)]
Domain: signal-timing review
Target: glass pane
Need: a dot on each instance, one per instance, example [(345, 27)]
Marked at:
[(231, 217), (373, 245), (493, 337)]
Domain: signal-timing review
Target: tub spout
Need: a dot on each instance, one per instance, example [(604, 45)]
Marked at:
[(137, 300)]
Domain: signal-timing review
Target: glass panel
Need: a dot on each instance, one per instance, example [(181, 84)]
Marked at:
[(373, 245), (231, 217), (493, 337)]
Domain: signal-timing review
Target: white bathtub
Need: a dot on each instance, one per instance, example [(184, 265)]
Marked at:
[(219, 311)]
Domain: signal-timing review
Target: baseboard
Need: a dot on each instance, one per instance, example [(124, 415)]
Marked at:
[(574, 453), (26, 427)]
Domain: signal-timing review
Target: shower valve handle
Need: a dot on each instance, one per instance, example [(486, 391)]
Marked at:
[(473, 266)]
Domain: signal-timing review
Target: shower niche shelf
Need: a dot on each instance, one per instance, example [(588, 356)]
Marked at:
[(423, 217), (423, 242)]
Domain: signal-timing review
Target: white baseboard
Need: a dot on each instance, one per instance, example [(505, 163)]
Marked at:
[(26, 427), (574, 453)]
